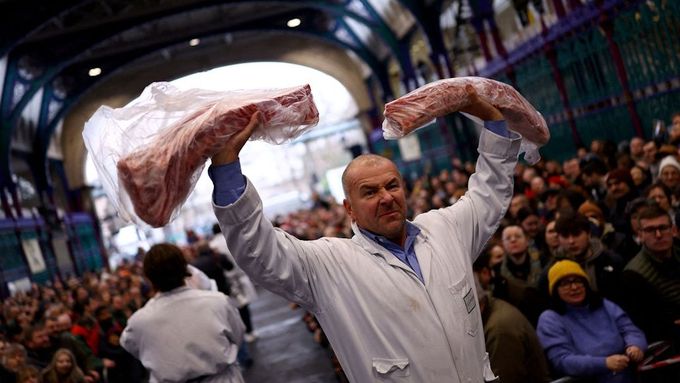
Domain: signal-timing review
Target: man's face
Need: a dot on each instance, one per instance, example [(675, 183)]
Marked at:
[(571, 168), (518, 202), (514, 240), (575, 244), (531, 226), (551, 237), (537, 185), (636, 145), (657, 234), (376, 200), (52, 326), (617, 188), (39, 340), (675, 128), (670, 176), (649, 152), (658, 195)]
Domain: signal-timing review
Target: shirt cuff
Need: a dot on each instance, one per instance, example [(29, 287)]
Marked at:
[(229, 183), (498, 127)]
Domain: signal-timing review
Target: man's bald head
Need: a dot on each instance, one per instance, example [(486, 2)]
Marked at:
[(362, 161)]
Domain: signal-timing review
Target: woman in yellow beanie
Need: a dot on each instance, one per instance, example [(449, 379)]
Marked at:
[(585, 335)]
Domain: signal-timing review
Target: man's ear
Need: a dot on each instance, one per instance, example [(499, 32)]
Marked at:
[(348, 208)]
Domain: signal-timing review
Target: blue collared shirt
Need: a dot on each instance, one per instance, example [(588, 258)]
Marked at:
[(406, 254)]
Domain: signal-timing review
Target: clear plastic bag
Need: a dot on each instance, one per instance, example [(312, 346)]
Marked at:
[(150, 153), (417, 108)]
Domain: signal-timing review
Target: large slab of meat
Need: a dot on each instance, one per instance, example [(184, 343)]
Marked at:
[(159, 176), (439, 98)]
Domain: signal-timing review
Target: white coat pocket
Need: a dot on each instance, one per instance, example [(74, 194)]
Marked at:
[(466, 304), (387, 370)]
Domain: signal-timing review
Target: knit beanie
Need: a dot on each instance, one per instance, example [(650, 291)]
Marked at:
[(669, 161), (563, 269)]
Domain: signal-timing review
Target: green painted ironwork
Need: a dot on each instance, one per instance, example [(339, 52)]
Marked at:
[(587, 68), (10, 248), (535, 81), (561, 145), (649, 41), (605, 124), (657, 107), (88, 247)]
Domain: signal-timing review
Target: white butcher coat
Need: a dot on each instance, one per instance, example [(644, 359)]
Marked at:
[(184, 334), (385, 324)]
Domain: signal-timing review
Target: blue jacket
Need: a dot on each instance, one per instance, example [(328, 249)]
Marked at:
[(578, 342)]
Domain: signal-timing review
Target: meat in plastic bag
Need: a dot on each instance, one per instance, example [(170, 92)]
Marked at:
[(439, 98), (150, 153)]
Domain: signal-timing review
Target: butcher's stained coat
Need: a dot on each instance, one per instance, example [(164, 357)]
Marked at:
[(383, 323)]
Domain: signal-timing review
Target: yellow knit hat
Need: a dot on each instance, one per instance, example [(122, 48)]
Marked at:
[(562, 269)]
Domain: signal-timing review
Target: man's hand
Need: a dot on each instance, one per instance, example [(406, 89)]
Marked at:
[(634, 353), (235, 143), (480, 108)]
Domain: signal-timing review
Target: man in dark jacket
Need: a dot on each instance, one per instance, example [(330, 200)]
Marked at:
[(213, 266), (514, 351), (602, 265), (652, 278)]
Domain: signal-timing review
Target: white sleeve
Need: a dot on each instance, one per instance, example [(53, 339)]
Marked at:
[(271, 257), (476, 216)]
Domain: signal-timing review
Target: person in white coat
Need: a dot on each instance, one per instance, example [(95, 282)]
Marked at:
[(183, 334), (397, 301)]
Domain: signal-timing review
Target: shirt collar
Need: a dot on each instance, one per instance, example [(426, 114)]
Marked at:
[(412, 232)]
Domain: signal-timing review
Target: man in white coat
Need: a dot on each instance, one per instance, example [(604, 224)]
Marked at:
[(183, 334), (397, 301)]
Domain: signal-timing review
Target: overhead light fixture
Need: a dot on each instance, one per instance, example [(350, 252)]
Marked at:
[(95, 72), (292, 23), (194, 42)]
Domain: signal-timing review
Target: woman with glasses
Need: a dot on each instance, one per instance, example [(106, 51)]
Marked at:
[(584, 335)]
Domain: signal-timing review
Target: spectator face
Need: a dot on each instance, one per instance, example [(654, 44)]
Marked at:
[(649, 152), (531, 226), (657, 234), (537, 185), (64, 363), (575, 244), (670, 176), (376, 200), (572, 290), (637, 175), (118, 303), (581, 153), (617, 189), (14, 361), (39, 340), (64, 323), (675, 129), (528, 175), (660, 197), (551, 237), (496, 255), (571, 168), (52, 326), (518, 202), (636, 145), (514, 241)]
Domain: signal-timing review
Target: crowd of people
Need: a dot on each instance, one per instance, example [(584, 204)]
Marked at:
[(71, 331), (611, 209), (582, 274)]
